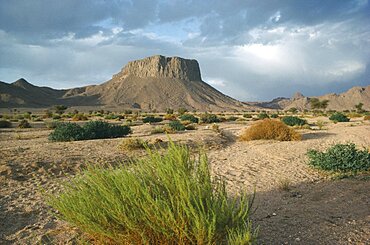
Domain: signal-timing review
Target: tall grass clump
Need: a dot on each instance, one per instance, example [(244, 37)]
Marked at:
[(165, 198), (293, 121), (340, 158), (270, 130), (91, 130)]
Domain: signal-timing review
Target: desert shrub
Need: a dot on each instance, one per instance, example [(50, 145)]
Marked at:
[(274, 115), (52, 124), (169, 111), (127, 112), (354, 115), (157, 130), (341, 158), (56, 117), (114, 117), (182, 110), (170, 117), (79, 117), (216, 128), (151, 119), (293, 121), (103, 130), (209, 118), (367, 117), (270, 129), (176, 125), (24, 124), (190, 127), (232, 119), (339, 117), (91, 130), (67, 132), (133, 144), (5, 124), (164, 198), (246, 115), (189, 117), (263, 115)]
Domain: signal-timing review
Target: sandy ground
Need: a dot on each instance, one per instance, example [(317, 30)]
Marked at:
[(294, 204)]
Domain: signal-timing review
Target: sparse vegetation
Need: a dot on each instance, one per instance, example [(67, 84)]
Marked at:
[(293, 121), (317, 104), (189, 117), (151, 119), (367, 117), (263, 115), (270, 129), (24, 124), (5, 124), (340, 158), (339, 117), (161, 199), (157, 130), (79, 117), (176, 125), (209, 118), (91, 130), (132, 144)]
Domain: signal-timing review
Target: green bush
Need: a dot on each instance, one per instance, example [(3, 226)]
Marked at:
[(67, 132), (293, 121), (151, 119), (104, 130), (339, 117), (263, 115), (5, 124), (176, 125), (189, 117), (24, 124), (165, 198), (246, 115), (341, 158), (274, 115), (209, 118), (232, 119), (91, 130)]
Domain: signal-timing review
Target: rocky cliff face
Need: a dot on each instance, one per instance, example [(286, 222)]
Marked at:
[(162, 67)]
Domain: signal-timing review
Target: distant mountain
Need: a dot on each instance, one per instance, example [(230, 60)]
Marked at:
[(343, 101), (155, 82)]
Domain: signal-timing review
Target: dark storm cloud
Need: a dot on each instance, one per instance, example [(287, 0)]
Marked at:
[(247, 49)]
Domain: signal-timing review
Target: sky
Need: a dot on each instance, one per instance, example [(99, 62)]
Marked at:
[(251, 50)]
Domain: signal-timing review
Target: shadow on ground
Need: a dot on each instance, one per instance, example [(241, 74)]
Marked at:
[(329, 212)]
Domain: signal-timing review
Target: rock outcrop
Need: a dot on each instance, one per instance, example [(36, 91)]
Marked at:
[(160, 66)]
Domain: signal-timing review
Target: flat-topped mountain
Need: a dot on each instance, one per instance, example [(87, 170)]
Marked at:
[(156, 82)]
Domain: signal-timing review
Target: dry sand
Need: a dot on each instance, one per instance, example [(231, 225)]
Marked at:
[(294, 203)]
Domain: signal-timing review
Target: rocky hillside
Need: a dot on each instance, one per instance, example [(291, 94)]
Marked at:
[(339, 102), (160, 82), (155, 82)]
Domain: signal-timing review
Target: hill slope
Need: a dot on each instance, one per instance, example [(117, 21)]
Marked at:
[(339, 102), (155, 82)]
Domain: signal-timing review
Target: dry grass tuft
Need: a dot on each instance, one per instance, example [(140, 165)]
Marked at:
[(270, 130)]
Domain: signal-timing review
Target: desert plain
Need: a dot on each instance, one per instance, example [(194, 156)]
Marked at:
[(293, 203)]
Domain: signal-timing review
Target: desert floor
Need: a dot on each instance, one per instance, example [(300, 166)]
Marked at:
[(294, 204)]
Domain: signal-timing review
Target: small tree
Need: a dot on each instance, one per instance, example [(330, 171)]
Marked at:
[(60, 109), (359, 107), (317, 104), (293, 110)]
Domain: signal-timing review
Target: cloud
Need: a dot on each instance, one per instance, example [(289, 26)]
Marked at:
[(251, 50)]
